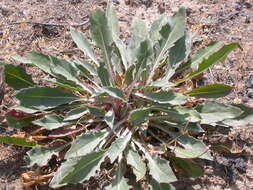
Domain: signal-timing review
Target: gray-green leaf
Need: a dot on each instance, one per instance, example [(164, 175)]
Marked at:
[(76, 113), (159, 168), (102, 36), (109, 118), (120, 182), (118, 146), (40, 155), (83, 44), (135, 161), (76, 170), (44, 97), (85, 144), (245, 118), (51, 122), (220, 55), (165, 97), (213, 112)]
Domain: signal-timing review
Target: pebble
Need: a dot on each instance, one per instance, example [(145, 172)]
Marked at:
[(247, 19), (250, 94), (238, 6), (245, 99), (249, 82), (116, 2), (236, 37)]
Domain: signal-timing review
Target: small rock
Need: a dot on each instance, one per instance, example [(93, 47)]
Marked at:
[(249, 82), (247, 5), (5, 12), (242, 92), (238, 6), (250, 94), (116, 2), (236, 37), (245, 99), (247, 19)]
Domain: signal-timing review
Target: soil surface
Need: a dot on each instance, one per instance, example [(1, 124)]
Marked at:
[(23, 28)]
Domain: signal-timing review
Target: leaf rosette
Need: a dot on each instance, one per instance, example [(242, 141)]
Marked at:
[(124, 104)]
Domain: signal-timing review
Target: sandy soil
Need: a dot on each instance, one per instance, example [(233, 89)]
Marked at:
[(227, 20)]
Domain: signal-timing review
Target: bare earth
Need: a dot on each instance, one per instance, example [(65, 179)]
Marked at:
[(227, 20)]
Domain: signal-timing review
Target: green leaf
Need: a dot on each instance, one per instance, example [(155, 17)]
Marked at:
[(123, 54), (165, 97), (154, 185), (97, 111), (85, 144), (115, 30), (120, 182), (166, 125), (118, 146), (192, 114), (41, 61), (159, 168), (140, 31), (66, 70), (220, 55), (84, 67), (163, 83), (76, 113), (139, 116), (104, 76), (16, 77), (17, 141), (177, 32), (77, 169), (202, 54), (245, 118), (156, 27), (190, 168), (193, 148), (177, 52), (51, 122), (25, 109), (177, 55), (20, 123), (102, 36), (135, 161), (144, 55), (63, 84), (213, 112), (129, 75), (112, 17), (171, 114), (211, 91), (109, 118), (43, 98), (40, 155), (83, 44), (21, 59), (114, 92)]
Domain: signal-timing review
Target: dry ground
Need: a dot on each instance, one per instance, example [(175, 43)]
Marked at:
[(228, 20)]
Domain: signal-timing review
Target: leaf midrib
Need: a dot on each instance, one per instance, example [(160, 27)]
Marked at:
[(15, 76), (83, 166)]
